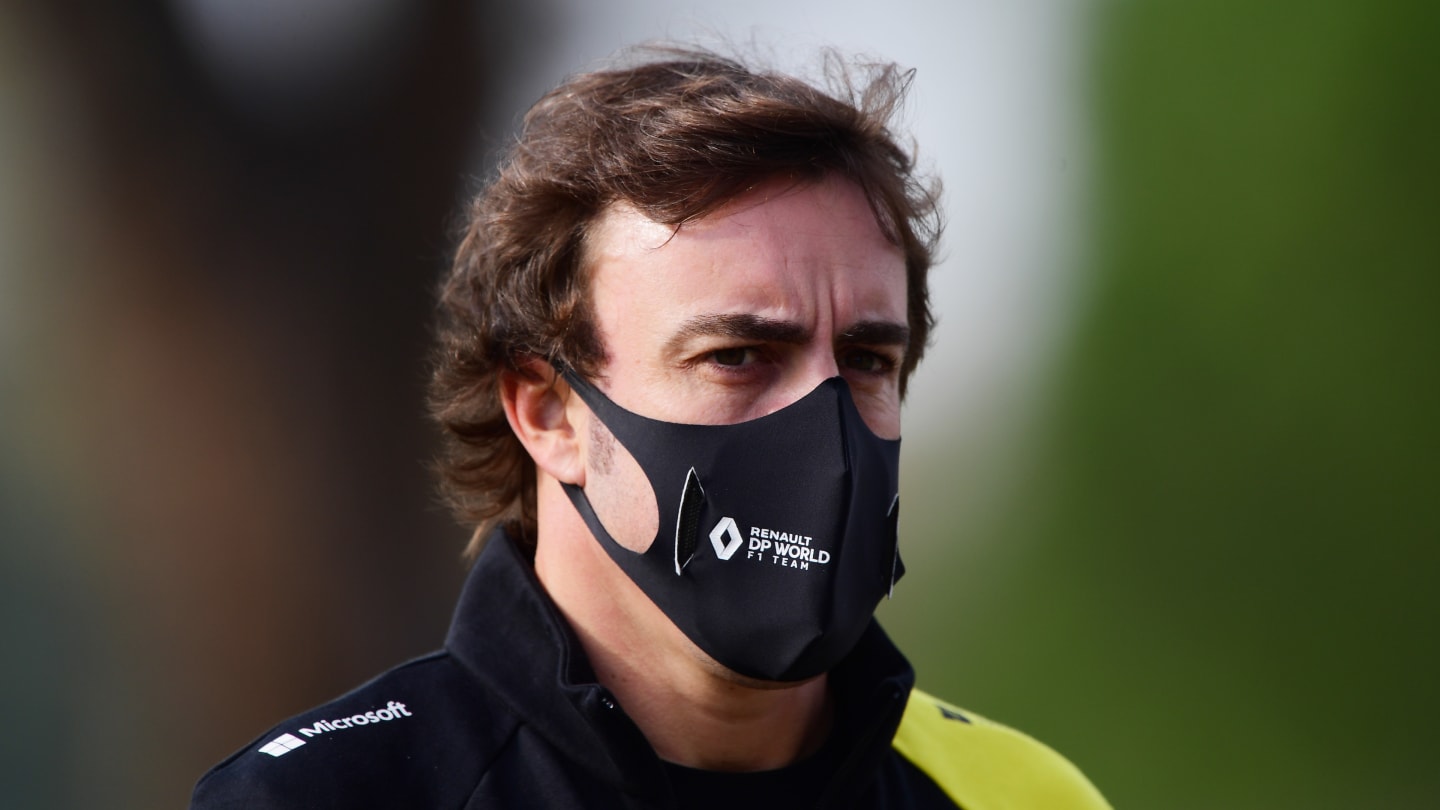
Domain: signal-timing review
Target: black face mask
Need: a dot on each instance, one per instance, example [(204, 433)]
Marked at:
[(777, 536)]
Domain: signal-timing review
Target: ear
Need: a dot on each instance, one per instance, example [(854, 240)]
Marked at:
[(536, 402)]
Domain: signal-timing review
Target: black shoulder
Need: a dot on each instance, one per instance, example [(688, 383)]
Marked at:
[(420, 735)]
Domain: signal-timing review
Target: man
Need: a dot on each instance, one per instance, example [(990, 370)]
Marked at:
[(672, 353)]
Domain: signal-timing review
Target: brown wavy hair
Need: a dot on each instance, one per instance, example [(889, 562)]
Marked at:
[(676, 135)]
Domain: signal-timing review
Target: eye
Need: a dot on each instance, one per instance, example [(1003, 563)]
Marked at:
[(732, 357), (867, 362)]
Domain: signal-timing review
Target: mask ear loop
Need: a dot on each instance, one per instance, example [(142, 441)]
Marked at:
[(687, 521), (692, 495), (897, 568)]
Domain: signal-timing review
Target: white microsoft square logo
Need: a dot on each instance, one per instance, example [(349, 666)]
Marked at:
[(281, 745)]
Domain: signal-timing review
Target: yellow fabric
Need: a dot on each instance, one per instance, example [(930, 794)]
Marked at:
[(983, 765)]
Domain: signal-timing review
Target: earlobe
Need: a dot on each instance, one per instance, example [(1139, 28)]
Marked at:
[(535, 402)]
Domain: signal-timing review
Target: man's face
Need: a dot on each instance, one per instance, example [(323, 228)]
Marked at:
[(736, 316)]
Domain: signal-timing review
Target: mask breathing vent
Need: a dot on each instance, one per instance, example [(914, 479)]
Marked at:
[(687, 522)]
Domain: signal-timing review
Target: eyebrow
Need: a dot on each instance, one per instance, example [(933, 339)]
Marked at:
[(877, 333), (740, 325), (746, 326)]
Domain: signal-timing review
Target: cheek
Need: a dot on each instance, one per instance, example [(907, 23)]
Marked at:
[(881, 414), (601, 458), (619, 491)]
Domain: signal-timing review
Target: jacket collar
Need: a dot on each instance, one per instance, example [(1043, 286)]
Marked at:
[(511, 637)]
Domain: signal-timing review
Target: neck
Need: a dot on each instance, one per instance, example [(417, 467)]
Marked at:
[(693, 711), (695, 714)]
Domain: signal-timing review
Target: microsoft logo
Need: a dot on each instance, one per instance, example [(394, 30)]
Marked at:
[(282, 745), (285, 743)]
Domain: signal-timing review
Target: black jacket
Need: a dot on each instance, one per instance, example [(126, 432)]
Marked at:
[(509, 714)]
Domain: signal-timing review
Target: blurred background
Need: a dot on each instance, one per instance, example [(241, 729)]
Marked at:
[(1170, 469)]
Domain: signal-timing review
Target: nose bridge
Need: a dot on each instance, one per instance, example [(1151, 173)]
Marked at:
[(814, 362), (811, 363), (818, 363), (814, 365)]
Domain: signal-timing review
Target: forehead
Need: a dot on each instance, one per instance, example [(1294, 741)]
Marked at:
[(782, 246)]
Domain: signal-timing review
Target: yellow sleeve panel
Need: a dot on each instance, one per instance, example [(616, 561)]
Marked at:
[(982, 765)]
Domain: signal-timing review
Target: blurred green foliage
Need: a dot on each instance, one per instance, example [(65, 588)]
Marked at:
[(1212, 584)]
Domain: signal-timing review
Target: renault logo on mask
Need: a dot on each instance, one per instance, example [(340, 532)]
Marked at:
[(726, 526)]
